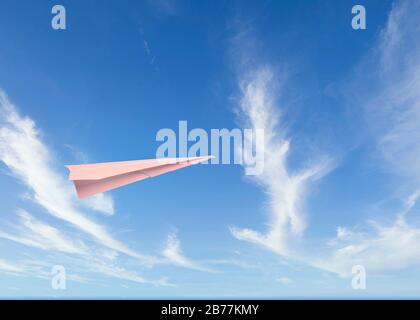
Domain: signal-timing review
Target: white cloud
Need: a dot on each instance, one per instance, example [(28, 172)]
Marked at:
[(101, 203), (284, 189), (146, 47), (94, 266), (77, 154), (34, 233), (30, 160), (27, 157), (412, 200), (9, 267), (383, 247), (31, 268), (392, 105), (113, 270), (173, 253)]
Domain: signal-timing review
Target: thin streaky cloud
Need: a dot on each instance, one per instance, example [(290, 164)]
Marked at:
[(34, 233), (173, 253), (10, 267), (393, 109), (30, 160), (101, 202)]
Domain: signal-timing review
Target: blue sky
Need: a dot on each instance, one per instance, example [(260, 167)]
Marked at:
[(346, 102)]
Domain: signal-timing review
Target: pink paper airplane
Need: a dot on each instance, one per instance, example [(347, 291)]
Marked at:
[(91, 179)]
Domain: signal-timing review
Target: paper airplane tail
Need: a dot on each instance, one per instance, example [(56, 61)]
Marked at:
[(91, 179)]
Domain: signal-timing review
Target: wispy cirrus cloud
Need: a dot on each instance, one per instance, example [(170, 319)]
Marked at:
[(389, 88), (173, 253), (29, 160), (116, 271), (94, 266), (100, 203), (392, 108), (10, 267), (382, 247), (286, 190), (34, 268), (32, 232)]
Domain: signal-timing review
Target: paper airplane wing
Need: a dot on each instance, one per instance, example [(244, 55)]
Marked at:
[(90, 179)]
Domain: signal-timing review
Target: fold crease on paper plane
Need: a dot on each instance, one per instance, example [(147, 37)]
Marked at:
[(91, 179)]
